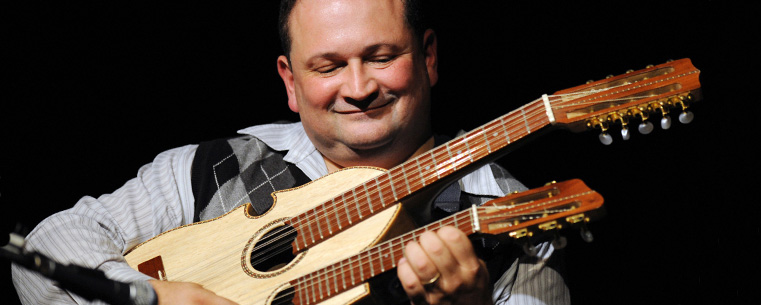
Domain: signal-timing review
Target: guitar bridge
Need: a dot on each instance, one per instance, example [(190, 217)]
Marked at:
[(153, 267)]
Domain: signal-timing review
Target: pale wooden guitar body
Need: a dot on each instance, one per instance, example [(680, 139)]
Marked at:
[(216, 253)]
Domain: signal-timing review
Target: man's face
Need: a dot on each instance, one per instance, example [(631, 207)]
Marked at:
[(358, 80)]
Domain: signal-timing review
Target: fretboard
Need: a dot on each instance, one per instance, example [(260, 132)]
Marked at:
[(346, 274)]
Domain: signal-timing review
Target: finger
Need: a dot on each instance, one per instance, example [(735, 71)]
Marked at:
[(439, 253), (419, 259), (410, 282), (459, 247)]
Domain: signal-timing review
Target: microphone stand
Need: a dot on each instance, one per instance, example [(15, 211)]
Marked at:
[(89, 283)]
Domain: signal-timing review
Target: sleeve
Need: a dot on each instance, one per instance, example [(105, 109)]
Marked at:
[(535, 280), (96, 232)]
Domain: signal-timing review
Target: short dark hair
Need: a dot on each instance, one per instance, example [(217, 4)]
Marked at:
[(413, 15)]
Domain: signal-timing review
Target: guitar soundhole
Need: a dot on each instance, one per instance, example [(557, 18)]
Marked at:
[(284, 297), (274, 249)]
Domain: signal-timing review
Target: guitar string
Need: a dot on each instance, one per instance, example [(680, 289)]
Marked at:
[(324, 216), (322, 277), (528, 208), (556, 105), (372, 190), (514, 124)]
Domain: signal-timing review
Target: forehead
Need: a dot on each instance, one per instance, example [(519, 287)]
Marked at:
[(331, 25)]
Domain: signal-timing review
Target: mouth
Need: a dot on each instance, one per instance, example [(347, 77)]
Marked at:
[(365, 110)]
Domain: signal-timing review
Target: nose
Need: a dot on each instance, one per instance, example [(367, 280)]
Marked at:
[(359, 87)]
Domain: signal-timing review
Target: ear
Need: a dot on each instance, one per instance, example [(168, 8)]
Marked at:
[(431, 54), (286, 73)]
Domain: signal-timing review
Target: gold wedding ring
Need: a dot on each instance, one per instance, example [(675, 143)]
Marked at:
[(432, 282)]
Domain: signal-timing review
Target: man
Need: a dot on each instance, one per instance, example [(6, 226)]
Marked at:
[(359, 74)]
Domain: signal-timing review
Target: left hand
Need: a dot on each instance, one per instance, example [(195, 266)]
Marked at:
[(442, 268)]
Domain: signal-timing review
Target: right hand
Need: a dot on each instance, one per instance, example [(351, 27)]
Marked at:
[(170, 293)]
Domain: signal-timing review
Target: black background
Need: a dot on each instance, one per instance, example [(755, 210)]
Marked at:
[(98, 89)]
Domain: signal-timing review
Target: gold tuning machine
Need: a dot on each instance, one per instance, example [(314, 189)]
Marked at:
[(605, 138)]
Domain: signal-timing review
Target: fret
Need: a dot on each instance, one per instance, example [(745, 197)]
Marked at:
[(346, 208), (317, 222), (335, 279), (435, 166), (406, 182), (467, 147), (356, 202), (327, 219), (492, 134), (337, 215), (314, 297), (380, 192), (525, 120), (507, 134), (304, 293), (486, 139), (369, 203), (311, 233), (343, 276), (449, 151), (393, 258), (361, 273), (352, 272), (391, 183), (458, 159), (475, 144), (381, 268), (420, 171), (319, 286), (370, 261), (303, 236)]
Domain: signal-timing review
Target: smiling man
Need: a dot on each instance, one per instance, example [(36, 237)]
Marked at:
[(359, 74), (360, 80)]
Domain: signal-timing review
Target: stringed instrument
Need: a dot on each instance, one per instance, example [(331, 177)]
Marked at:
[(541, 210), (350, 210)]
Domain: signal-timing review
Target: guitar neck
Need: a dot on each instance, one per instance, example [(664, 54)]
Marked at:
[(483, 143), (546, 208)]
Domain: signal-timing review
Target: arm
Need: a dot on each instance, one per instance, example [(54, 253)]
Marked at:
[(96, 232)]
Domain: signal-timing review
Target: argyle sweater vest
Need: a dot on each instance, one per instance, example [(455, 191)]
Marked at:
[(229, 172)]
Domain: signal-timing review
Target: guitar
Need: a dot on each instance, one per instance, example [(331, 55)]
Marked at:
[(355, 208), (541, 210)]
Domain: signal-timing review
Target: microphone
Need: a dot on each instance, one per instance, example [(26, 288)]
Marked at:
[(88, 283)]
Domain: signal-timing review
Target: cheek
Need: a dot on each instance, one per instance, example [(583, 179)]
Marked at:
[(316, 92), (399, 77)]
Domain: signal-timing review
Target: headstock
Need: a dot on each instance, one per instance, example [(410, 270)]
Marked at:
[(635, 95), (540, 210)]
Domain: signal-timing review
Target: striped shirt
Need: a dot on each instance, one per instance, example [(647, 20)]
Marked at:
[(96, 232)]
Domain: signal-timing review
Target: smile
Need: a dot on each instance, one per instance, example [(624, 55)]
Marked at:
[(366, 110)]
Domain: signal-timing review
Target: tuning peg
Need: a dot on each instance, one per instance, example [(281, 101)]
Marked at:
[(686, 117), (666, 122), (586, 235), (604, 137), (559, 242), (645, 127), (625, 133), (666, 119), (624, 128), (530, 249)]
